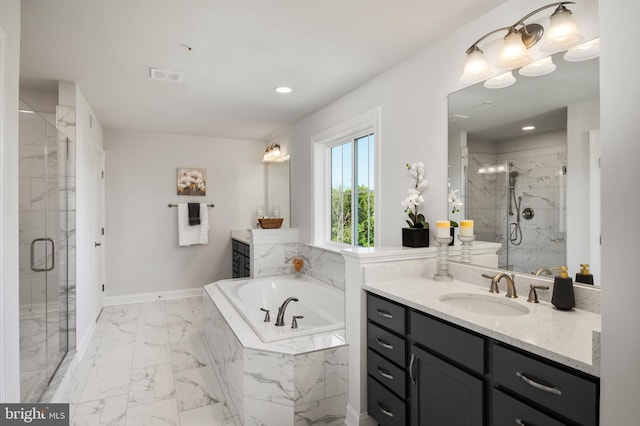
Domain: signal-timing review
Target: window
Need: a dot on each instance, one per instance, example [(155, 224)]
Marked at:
[(346, 173), (352, 192)]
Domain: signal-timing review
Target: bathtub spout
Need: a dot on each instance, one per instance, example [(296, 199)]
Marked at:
[(281, 309)]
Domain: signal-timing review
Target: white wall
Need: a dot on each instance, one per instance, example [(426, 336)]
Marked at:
[(142, 237), (89, 134), (9, 80), (413, 97), (620, 127)]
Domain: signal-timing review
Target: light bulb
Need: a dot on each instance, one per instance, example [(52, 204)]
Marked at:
[(562, 33), (476, 68), (513, 53)]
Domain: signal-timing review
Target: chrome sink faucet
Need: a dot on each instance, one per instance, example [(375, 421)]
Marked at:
[(281, 309), (495, 279)]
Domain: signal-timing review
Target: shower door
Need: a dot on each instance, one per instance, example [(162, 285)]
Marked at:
[(43, 212)]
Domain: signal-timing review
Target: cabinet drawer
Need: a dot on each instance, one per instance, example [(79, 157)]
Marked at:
[(508, 411), (386, 313), (561, 391), (386, 373), (386, 343), (386, 408), (449, 341)]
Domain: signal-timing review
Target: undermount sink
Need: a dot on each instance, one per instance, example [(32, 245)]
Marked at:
[(484, 304)]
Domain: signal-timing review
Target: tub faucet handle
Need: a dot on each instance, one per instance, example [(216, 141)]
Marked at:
[(294, 322), (267, 318)]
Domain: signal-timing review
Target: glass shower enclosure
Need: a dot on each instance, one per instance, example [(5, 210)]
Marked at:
[(46, 220)]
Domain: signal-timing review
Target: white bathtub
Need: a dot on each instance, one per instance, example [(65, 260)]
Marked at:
[(321, 305)]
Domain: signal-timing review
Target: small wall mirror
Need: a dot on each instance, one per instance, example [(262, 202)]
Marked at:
[(278, 196), (535, 191)]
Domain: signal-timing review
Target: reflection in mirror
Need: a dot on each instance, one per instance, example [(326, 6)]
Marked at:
[(278, 194), (534, 190)]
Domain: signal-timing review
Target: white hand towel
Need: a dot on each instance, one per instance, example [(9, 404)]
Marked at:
[(187, 235), (203, 232)]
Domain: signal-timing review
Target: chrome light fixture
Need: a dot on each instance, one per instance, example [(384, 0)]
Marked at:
[(562, 34), (273, 154)]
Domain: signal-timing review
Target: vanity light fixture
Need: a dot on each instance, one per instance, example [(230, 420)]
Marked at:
[(273, 154), (501, 81), (584, 51), (541, 67), (562, 34)]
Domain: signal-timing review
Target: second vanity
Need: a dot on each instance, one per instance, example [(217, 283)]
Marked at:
[(451, 353)]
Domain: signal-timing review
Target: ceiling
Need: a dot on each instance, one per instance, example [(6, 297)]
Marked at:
[(242, 49)]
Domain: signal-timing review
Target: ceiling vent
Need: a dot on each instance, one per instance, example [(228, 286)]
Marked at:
[(166, 75)]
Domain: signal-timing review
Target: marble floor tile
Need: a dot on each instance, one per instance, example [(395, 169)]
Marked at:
[(108, 411), (189, 355), (151, 384), (148, 352), (106, 380), (213, 414), (161, 413), (197, 387)]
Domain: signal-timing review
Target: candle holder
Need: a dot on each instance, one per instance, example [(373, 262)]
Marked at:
[(467, 242), (442, 259)]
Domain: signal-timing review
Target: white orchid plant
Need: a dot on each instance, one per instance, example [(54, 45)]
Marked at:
[(415, 198), (455, 203)]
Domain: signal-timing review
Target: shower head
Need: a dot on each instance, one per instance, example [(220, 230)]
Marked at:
[(513, 174)]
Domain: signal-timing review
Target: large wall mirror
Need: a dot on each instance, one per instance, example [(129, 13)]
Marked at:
[(278, 197), (535, 191)]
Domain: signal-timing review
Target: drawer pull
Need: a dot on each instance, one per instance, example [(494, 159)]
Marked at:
[(413, 359), (538, 385), (384, 373), (384, 314), (520, 422), (384, 411), (384, 344)]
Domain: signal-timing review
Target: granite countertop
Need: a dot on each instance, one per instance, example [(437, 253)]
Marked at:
[(563, 336)]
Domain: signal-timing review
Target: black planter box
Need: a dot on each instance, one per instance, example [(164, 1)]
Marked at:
[(415, 237)]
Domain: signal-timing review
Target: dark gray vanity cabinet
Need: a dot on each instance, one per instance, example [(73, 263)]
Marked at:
[(424, 371), (241, 259)]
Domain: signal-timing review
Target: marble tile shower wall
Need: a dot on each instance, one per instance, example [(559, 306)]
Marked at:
[(277, 259), (541, 185)]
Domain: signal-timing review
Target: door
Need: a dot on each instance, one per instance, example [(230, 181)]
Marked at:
[(99, 238), (442, 394)]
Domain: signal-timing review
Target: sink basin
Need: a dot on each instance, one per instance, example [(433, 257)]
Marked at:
[(484, 304)]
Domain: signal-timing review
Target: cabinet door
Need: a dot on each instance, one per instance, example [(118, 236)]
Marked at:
[(443, 395)]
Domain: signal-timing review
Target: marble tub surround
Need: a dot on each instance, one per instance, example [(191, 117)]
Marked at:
[(587, 297), (299, 381), (562, 336)]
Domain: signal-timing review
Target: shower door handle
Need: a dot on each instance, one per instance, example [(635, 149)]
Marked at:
[(53, 255)]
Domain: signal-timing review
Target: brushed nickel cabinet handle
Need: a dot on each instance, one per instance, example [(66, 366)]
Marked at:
[(384, 344), (385, 411), (537, 385), (384, 314), (384, 373)]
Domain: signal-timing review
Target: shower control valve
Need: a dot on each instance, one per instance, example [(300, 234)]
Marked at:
[(528, 213)]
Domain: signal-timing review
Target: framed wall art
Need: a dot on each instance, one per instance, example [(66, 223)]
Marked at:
[(192, 181)]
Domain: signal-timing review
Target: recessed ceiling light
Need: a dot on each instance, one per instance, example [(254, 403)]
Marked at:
[(283, 89), (528, 128)]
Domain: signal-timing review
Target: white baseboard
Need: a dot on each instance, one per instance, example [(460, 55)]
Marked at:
[(151, 297), (355, 418)]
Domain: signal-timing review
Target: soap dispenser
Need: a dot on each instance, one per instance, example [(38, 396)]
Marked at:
[(562, 297), (584, 276)]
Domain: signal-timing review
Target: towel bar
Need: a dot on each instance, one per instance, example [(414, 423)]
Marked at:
[(175, 205)]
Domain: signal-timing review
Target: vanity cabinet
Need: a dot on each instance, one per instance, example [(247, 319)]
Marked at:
[(241, 259), (425, 371)]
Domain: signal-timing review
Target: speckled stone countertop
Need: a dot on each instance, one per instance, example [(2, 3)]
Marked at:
[(562, 336)]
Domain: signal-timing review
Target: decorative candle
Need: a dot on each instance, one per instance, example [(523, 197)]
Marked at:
[(442, 229), (466, 228)]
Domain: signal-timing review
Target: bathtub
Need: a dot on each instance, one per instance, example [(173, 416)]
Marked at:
[(321, 305)]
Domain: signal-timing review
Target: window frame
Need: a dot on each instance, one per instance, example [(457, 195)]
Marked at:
[(362, 125)]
